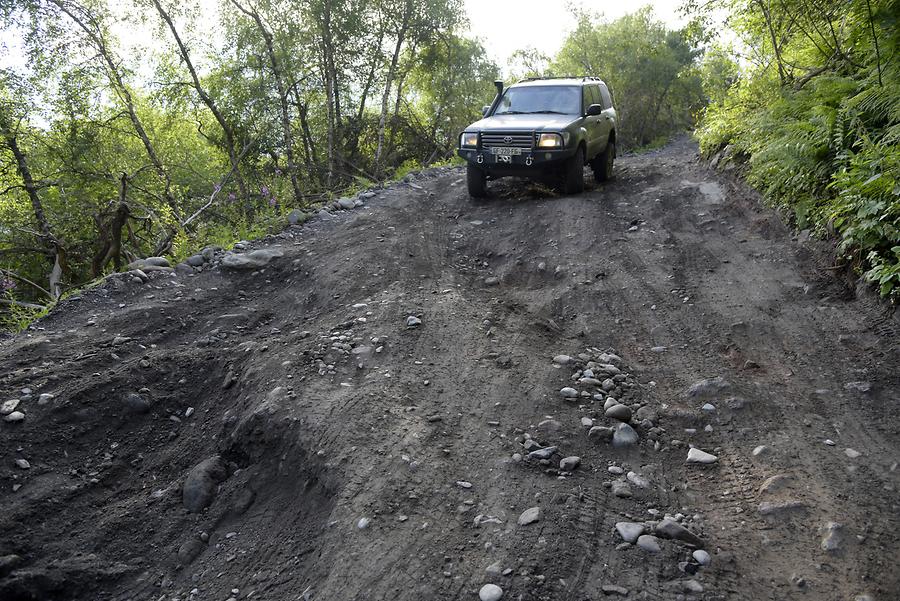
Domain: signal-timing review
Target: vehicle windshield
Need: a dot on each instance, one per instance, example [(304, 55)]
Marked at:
[(564, 100)]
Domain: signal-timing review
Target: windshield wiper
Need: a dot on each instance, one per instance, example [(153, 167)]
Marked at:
[(511, 113), (546, 113)]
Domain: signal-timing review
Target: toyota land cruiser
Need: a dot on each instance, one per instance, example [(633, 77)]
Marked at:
[(542, 128)]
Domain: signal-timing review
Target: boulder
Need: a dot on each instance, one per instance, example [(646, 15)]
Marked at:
[(251, 260), (201, 483)]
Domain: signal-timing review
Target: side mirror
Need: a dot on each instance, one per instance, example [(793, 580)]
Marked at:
[(594, 110), (485, 110)]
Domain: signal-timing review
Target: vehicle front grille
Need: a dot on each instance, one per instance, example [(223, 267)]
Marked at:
[(517, 139)]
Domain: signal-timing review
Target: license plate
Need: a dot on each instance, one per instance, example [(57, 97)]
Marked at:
[(506, 150)]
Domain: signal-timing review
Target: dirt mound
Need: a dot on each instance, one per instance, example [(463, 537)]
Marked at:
[(636, 392)]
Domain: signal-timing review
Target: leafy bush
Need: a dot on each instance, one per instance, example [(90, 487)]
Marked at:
[(823, 143)]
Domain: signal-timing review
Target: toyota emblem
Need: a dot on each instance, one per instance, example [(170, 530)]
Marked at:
[(507, 139)]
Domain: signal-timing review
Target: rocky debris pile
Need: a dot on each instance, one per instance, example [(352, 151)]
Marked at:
[(346, 342), (650, 536), (614, 414), (601, 387), (607, 393), (207, 258)]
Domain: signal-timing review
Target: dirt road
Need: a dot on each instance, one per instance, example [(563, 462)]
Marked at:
[(282, 433)]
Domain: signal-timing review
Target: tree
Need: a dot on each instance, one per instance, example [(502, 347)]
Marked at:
[(648, 68)]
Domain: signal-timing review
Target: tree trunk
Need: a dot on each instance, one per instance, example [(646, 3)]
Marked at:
[(389, 81), (112, 233), (329, 83), (775, 48), (282, 97), (210, 104), (54, 247)]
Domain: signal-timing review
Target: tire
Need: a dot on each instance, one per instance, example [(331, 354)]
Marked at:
[(603, 164), (476, 181), (573, 173)]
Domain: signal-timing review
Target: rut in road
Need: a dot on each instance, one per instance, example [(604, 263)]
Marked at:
[(281, 432)]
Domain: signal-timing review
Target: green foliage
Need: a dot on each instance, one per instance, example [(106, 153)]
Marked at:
[(16, 317), (651, 71), (821, 142), (88, 116)]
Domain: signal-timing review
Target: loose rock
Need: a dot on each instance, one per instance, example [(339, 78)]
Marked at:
[(136, 403), (697, 456), (629, 531), (251, 260), (668, 528), (612, 589), (568, 393), (15, 416), (624, 436), (569, 464), (490, 592), (619, 412), (199, 488), (529, 516), (832, 540), (648, 543)]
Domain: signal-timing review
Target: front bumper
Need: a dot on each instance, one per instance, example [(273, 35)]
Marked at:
[(530, 160)]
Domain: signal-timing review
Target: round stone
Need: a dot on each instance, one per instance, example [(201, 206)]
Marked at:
[(568, 464), (490, 592), (619, 412)]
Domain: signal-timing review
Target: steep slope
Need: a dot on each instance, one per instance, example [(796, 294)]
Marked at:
[(286, 431)]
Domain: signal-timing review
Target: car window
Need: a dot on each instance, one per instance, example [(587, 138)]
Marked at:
[(587, 100), (595, 95), (540, 99), (605, 96)]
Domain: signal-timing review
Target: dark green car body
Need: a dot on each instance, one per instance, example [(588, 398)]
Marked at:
[(545, 129)]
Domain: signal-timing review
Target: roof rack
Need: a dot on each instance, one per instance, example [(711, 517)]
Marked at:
[(581, 77)]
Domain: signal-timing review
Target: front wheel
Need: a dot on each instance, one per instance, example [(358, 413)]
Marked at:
[(573, 173), (476, 181), (603, 164)]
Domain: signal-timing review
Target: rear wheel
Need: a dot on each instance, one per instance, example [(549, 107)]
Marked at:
[(476, 181), (603, 163), (573, 173)]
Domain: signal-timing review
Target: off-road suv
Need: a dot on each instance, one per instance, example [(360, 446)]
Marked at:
[(543, 128)]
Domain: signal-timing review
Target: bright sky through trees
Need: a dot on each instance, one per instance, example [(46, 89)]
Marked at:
[(505, 26)]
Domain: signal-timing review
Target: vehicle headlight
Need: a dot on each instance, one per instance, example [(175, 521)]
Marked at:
[(550, 141), (468, 139)]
